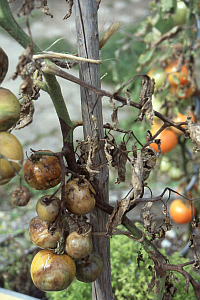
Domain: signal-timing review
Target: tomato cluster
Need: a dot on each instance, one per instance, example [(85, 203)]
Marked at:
[(54, 267)]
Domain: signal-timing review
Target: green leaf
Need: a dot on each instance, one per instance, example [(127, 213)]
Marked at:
[(144, 58)]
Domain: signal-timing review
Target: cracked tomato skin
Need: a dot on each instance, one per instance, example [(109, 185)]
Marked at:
[(42, 173), (11, 148), (52, 272)]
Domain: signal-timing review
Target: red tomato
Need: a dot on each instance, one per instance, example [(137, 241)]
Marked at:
[(180, 212)]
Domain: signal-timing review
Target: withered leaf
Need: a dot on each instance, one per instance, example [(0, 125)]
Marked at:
[(117, 214), (193, 130), (137, 175), (114, 117), (128, 97), (146, 216), (26, 115), (121, 164)]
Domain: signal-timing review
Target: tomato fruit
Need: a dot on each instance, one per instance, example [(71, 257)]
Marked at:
[(176, 78), (168, 139), (182, 118), (11, 148), (42, 172), (48, 210), (78, 245), (90, 268), (183, 92), (79, 196), (40, 234), (3, 65), (180, 212), (21, 196), (52, 272), (9, 109), (175, 173), (158, 73), (165, 164), (180, 15)]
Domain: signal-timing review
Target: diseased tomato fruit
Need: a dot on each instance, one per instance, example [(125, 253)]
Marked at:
[(3, 65), (158, 73), (175, 77), (41, 235), (52, 272), (21, 196), (78, 245), (183, 92), (11, 148), (79, 196), (48, 208), (88, 269), (181, 118), (168, 139), (180, 15), (9, 109), (42, 172), (180, 212)]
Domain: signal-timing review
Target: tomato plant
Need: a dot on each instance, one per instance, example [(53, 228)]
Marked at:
[(9, 109), (52, 272), (79, 196), (42, 172), (48, 208), (180, 212), (78, 245), (159, 75), (88, 269), (12, 150)]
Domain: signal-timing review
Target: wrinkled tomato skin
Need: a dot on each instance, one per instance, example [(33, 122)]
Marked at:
[(9, 109), (41, 236), (180, 212), (42, 174), (90, 269), (52, 272), (11, 148)]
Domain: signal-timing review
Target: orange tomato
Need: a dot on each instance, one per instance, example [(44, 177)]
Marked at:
[(177, 77), (168, 139), (183, 93), (182, 118), (180, 212)]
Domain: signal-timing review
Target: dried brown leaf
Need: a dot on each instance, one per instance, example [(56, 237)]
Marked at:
[(128, 97), (146, 216), (193, 130), (137, 175), (114, 117)]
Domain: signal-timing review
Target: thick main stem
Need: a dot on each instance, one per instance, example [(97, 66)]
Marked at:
[(88, 47)]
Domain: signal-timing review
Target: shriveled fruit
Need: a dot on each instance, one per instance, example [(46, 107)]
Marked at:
[(42, 172), (41, 235), (9, 109), (78, 245), (79, 196), (167, 137), (88, 269), (21, 196), (182, 118), (12, 150), (52, 272), (180, 212), (48, 208)]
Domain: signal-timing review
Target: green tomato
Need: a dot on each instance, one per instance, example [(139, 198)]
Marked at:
[(165, 164), (175, 173), (159, 75), (180, 15)]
